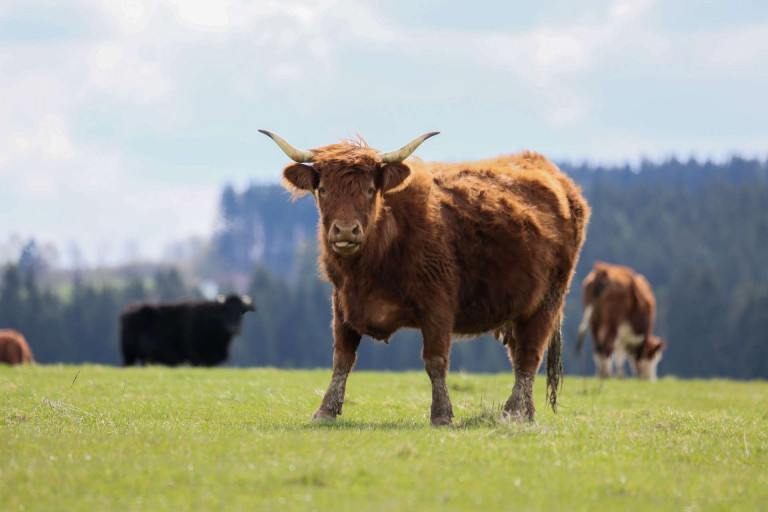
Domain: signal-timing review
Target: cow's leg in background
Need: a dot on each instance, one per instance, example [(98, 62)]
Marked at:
[(526, 345), (619, 358), (603, 365), (604, 349), (436, 354), (345, 343)]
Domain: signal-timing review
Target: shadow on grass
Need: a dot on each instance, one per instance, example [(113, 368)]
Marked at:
[(488, 417)]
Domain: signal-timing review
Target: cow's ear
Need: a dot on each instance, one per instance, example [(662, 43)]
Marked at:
[(300, 179), (392, 176), (654, 346)]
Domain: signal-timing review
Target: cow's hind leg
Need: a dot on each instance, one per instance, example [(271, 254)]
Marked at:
[(345, 343), (619, 358), (526, 342)]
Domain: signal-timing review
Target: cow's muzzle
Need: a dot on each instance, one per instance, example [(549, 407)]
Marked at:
[(345, 238)]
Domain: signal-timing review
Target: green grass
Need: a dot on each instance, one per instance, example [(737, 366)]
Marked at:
[(229, 439)]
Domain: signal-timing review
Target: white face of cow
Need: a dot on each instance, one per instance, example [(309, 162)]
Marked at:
[(646, 368)]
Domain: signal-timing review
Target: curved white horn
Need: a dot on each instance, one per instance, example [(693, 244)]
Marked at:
[(405, 151), (297, 155)]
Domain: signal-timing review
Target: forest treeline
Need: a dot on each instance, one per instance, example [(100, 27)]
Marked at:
[(697, 231)]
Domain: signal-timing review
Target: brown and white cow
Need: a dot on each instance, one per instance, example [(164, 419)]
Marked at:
[(14, 348), (450, 249), (619, 310)]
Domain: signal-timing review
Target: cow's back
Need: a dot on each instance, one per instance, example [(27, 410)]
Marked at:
[(512, 226), (154, 333)]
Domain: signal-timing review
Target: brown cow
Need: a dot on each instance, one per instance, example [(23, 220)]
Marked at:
[(450, 249), (620, 309), (14, 348)]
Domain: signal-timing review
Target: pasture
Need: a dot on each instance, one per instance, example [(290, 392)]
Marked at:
[(104, 438)]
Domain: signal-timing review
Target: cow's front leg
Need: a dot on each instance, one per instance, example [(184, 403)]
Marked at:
[(603, 365), (345, 343), (604, 352), (436, 355)]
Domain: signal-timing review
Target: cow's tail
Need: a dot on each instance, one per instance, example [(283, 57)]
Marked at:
[(555, 365), (583, 327)]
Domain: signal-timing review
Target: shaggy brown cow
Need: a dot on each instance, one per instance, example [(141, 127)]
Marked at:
[(14, 348), (620, 309), (449, 249)]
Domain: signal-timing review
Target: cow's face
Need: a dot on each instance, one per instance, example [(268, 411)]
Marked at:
[(232, 311), (348, 195), (347, 180), (649, 357)]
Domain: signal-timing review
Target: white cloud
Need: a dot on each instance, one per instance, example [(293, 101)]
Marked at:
[(556, 50), (55, 141), (626, 11), (49, 139), (131, 16), (285, 72), (566, 115), (118, 70), (106, 57), (548, 52), (205, 14), (744, 47)]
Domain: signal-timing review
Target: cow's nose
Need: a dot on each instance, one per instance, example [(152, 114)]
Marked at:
[(346, 231)]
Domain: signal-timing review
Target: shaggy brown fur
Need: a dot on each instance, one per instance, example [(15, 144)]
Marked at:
[(619, 295), (450, 249), (14, 348)]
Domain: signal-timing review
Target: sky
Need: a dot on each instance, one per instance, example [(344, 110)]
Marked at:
[(122, 120)]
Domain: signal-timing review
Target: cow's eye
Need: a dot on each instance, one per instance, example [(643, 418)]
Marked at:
[(371, 191), (321, 191)]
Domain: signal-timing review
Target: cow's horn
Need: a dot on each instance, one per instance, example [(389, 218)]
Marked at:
[(405, 151), (297, 155)]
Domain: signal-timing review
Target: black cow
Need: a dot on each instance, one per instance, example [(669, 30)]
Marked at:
[(194, 332)]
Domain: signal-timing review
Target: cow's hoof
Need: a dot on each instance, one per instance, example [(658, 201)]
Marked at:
[(512, 416), (516, 416), (320, 416), (441, 421)]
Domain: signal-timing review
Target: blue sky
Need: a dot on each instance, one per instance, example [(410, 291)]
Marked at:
[(123, 119)]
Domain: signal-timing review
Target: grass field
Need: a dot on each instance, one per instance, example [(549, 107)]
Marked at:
[(95, 438)]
